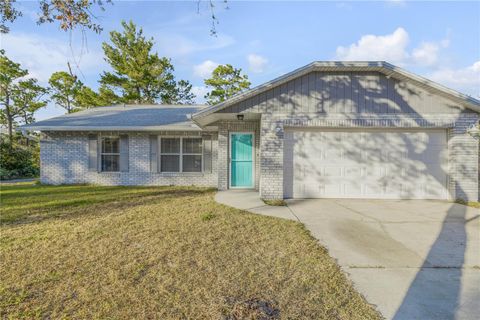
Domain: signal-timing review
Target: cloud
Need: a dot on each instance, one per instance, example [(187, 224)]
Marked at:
[(205, 69), (43, 55), (256, 63), (427, 53), (465, 79), (390, 47), (393, 48), (200, 92)]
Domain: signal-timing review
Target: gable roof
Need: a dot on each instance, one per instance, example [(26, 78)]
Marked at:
[(123, 118), (336, 66)]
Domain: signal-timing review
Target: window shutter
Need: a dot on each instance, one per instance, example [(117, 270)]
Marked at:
[(207, 154), (92, 152), (124, 153), (153, 153)]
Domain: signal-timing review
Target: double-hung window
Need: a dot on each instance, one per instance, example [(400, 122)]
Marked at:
[(110, 154), (191, 154), (180, 154)]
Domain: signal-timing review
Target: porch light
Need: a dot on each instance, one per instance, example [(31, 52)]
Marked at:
[(240, 117), (474, 131)]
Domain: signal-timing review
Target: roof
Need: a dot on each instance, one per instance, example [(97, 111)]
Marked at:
[(332, 66), (123, 118)]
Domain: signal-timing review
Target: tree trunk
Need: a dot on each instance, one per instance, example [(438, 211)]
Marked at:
[(139, 98), (9, 118), (25, 119)]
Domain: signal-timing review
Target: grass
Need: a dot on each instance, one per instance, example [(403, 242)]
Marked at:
[(275, 202), (90, 252), (473, 204)]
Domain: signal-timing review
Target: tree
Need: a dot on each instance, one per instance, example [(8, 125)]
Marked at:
[(65, 88), (225, 82), (8, 13), (10, 73), (28, 97), (87, 98), (183, 93), (68, 13), (71, 14), (139, 74)]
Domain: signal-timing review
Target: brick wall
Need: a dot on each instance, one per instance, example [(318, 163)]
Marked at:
[(64, 157), (64, 160)]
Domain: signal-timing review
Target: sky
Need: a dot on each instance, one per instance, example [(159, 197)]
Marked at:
[(437, 40)]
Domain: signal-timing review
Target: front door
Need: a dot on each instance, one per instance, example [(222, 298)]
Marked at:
[(241, 160)]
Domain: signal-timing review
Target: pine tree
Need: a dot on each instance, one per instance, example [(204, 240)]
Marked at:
[(19, 98), (65, 87), (225, 82), (139, 74)]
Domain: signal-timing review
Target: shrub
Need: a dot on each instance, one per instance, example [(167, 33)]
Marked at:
[(18, 161)]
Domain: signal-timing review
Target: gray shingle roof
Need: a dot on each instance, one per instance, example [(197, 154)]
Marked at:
[(123, 118)]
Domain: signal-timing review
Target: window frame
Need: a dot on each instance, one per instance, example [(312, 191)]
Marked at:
[(109, 153), (180, 154)]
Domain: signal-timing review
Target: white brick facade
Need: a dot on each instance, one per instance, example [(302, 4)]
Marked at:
[(64, 160), (64, 156)]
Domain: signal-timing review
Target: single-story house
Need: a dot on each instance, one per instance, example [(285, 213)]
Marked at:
[(326, 130)]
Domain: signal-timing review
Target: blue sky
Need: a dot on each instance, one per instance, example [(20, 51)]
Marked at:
[(438, 40)]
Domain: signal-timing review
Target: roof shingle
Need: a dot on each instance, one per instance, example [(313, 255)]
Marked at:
[(125, 118)]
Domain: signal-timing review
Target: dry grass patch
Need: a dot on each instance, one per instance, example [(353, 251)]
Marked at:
[(473, 204), (168, 253), (275, 202)]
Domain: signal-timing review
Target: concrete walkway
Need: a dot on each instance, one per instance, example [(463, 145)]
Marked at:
[(413, 259), (250, 201)]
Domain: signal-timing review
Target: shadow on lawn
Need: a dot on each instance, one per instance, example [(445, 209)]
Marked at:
[(94, 203)]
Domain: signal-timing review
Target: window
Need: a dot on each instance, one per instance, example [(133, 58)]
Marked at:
[(170, 155), (192, 155), (181, 154), (110, 154)]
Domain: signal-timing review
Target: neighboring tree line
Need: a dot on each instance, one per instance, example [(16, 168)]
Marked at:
[(139, 76)]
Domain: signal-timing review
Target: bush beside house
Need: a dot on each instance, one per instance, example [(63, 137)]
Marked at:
[(19, 161)]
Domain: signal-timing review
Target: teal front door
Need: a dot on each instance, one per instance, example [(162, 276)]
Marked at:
[(241, 160)]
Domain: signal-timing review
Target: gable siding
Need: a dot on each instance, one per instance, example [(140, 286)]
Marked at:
[(346, 93)]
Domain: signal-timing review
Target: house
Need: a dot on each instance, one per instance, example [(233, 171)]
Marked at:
[(329, 129)]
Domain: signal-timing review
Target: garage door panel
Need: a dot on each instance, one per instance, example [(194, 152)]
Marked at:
[(369, 164)]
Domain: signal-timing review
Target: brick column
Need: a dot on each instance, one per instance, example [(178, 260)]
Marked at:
[(222, 160), (463, 158), (271, 159)]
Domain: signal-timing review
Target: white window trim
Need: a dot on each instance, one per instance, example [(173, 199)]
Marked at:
[(180, 154), (109, 153)]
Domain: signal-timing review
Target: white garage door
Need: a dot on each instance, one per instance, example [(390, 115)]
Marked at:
[(396, 164)]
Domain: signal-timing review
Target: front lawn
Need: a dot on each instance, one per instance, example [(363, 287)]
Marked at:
[(90, 252)]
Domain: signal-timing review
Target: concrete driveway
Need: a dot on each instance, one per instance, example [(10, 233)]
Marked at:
[(413, 259)]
